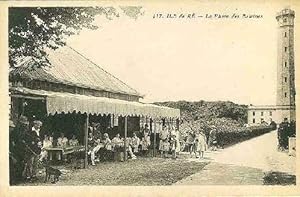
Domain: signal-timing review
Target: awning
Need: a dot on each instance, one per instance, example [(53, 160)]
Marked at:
[(61, 102)]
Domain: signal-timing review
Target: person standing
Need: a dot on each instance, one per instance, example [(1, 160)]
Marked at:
[(177, 136), (191, 143), (200, 144), (173, 142), (91, 145), (36, 132), (213, 139), (33, 149), (283, 130), (146, 135), (164, 142)]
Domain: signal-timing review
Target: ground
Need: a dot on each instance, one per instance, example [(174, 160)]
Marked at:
[(142, 171), (253, 162)]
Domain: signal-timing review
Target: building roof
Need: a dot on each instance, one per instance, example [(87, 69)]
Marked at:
[(69, 67), (269, 107), (63, 102)]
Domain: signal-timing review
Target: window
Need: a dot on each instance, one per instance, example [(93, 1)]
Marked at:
[(253, 120), (261, 120), (285, 64), (284, 20), (285, 79), (270, 113), (285, 49), (253, 113), (262, 113), (285, 34), (285, 94)]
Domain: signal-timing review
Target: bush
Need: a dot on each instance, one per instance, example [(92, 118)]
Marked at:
[(228, 138)]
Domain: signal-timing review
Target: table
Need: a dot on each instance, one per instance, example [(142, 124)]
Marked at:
[(63, 151)]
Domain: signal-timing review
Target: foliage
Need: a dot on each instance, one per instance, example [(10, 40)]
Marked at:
[(32, 29), (228, 118), (224, 115)]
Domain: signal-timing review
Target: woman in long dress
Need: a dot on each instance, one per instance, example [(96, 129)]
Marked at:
[(201, 144)]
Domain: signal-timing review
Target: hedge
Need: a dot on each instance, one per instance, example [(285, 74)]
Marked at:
[(229, 138)]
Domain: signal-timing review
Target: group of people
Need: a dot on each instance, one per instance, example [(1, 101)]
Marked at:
[(169, 141), (28, 148), (25, 149), (197, 142), (61, 141), (101, 147), (105, 148)]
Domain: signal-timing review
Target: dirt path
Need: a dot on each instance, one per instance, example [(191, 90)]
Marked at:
[(248, 162)]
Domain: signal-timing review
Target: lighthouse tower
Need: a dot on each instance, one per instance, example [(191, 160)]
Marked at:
[(285, 65), (285, 107)]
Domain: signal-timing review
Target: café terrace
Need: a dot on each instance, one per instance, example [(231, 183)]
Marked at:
[(72, 92)]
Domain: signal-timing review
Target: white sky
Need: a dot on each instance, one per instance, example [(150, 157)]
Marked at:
[(180, 59)]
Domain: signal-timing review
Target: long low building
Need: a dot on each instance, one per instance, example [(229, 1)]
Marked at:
[(72, 92), (268, 113)]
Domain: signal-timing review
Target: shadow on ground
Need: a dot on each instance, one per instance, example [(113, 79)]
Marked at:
[(279, 178)]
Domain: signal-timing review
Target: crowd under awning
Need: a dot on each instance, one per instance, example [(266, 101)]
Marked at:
[(62, 102)]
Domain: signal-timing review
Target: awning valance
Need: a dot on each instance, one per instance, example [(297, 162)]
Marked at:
[(60, 102)]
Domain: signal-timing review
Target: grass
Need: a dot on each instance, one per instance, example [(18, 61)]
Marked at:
[(279, 178), (142, 171)]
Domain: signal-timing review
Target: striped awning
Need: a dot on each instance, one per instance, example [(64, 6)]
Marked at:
[(61, 102)]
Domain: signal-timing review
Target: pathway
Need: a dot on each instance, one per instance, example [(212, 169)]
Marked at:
[(245, 163)]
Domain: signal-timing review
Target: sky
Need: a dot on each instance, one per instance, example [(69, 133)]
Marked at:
[(189, 59)]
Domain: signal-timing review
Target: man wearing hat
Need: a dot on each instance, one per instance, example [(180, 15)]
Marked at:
[(17, 150), (33, 150)]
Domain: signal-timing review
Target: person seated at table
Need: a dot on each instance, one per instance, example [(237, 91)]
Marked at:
[(129, 148), (135, 143), (73, 141), (95, 147), (116, 143), (46, 144), (62, 142), (51, 138), (106, 149)]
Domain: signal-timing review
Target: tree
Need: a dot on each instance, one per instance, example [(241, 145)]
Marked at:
[(32, 29)]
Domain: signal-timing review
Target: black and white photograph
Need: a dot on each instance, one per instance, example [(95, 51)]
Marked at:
[(154, 94)]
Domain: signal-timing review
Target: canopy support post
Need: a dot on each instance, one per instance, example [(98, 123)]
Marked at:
[(125, 139), (86, 125)]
